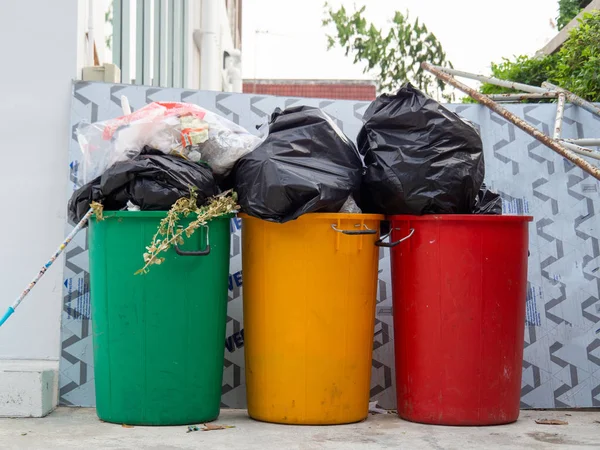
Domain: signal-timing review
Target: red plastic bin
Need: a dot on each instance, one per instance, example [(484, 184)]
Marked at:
[(459, 288)]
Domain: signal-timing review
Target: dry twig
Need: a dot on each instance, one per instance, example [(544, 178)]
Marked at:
[(169, 232)]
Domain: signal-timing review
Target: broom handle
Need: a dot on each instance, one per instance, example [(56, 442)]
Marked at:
[(68, 239), (11, 309)]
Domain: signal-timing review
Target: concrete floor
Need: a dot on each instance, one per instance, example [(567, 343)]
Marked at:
[(79, 428)]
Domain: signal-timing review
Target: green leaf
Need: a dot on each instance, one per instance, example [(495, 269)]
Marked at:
[(575, 67), (396, 54)]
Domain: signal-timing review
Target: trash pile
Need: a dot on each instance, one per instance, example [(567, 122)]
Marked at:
[(413, 157), (420, 157), (305, 164), (149, 159), (149, 181), (180, 129)]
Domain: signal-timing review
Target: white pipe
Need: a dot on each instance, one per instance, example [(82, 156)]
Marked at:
[(580, 150), (493, 80), (90, 33), (519, 97), (235, 75), (576, 99), (590, 142), (233, 72), (125, 105), (210, 60), (560, 112)]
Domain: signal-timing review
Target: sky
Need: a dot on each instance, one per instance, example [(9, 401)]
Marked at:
[(285, 39)]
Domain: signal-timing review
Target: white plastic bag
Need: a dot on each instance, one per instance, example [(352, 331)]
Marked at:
[(350, 206), (182, 129)]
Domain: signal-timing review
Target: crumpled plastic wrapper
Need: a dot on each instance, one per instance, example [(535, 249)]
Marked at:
[(350, 207), (181, 129)]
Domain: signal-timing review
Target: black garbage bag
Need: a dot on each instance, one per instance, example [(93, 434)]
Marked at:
[(421, 158), (152, 180), (487, 202), (305, 164)]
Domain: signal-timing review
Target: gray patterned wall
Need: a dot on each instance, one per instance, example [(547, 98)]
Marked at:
[(561, 366)]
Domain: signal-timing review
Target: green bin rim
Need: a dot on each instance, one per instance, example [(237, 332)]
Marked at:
[(150, 214)]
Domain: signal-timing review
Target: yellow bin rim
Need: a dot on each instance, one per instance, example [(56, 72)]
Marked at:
[(311, 216)]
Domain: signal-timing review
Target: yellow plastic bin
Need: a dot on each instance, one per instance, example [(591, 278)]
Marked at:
[(309, 312)]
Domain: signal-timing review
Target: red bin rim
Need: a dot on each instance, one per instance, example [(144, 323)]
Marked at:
[(460, 218)]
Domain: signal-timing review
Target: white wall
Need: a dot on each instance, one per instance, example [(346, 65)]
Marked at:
[(38, 44), (192, 54)]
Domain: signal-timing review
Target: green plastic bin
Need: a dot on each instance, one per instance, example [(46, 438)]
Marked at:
[(159, 338)]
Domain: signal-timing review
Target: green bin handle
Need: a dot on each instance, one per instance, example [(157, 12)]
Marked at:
[(204, 252)]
